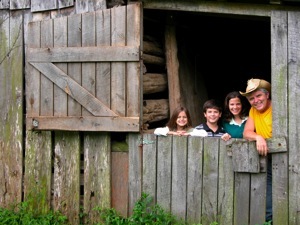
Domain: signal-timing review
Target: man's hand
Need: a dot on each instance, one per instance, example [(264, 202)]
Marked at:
[(261, 145)]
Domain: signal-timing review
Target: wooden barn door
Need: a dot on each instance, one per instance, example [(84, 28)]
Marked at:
[(83, 72)]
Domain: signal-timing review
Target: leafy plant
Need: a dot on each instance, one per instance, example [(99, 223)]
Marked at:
[(21, 214), (144, 213)]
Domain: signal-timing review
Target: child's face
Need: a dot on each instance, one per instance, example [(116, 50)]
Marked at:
[(235, 106), (182, 119), (212, 115)]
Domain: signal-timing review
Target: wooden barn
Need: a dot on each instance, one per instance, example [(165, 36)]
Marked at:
[(84, 83)]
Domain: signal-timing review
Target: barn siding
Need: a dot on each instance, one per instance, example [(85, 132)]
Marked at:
[(279, 42), (293, 118), (11, 104)]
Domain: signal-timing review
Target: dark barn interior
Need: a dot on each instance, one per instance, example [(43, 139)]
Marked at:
[(217, 54)]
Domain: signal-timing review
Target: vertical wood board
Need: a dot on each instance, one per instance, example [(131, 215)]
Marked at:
[(149, 166), (294, 110), (97, 173), (179, 176), (47, 93), (119, 182), (103, 69), (118, 70), (38, 170), (66, 186), (279, 57), (210, 179), (241, 198), (225, 187), (134, 71), (135, 169), (258, 198), (11, 114), (194, 179), (164, 172), (74, 69), (60, 39), (88, 69)]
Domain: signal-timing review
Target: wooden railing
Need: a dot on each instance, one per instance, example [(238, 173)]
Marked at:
[(204, 180)]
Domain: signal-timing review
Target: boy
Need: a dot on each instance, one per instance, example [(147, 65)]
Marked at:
[(212, 112)]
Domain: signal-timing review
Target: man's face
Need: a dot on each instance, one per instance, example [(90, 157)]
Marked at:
[(258, 100)]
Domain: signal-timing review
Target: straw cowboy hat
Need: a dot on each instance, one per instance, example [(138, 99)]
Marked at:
[(254, 84)]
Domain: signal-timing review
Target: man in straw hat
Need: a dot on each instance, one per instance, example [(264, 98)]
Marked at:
[(259, 126)]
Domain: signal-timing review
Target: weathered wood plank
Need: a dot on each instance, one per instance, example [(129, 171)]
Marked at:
[(210, 179), (97, 173), (88, 76), (164, 168), (194, 179), (32, 75), (263, 10), (103, 70), (83, 6), (172, 65), (74, 69), (66, 187), (293, 116), (41, 5), (60, 39), (38, 170), (19, 4), (4, 4), (258, 198), (11, 102), (119, 182), (65, 3), (244, 158), (149, 166), (84, 54), (241, 198), (134, 71), (135, 170), (46, 101), (179, 176), (87, 123), (225, 187), (72, 88), (118, 69)]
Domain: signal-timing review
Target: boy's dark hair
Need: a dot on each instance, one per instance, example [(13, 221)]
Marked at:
[(212, 104)]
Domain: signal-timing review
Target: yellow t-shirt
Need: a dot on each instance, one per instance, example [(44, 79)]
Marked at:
[(262, 121)]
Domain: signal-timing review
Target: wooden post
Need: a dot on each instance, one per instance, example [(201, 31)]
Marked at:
[(172, 64)]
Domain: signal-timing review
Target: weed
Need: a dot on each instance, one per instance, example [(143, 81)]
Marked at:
[(144, 213), (21, 214)]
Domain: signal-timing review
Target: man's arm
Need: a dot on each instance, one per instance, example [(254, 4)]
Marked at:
[(250, 134)]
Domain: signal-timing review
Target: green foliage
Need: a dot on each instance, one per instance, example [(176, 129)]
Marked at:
[(144, 213), (21, 214)]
